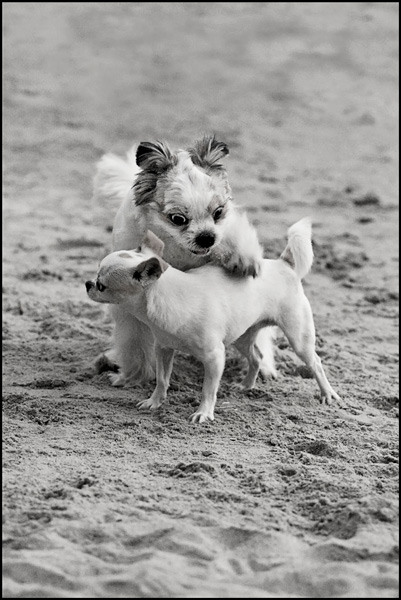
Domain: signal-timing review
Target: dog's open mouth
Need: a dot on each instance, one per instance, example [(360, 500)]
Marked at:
[(201, 251)]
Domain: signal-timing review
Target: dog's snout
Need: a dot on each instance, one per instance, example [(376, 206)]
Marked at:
[(205, 239), (89, 285)]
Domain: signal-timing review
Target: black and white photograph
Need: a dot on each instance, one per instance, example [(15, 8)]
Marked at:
[(200, 299)]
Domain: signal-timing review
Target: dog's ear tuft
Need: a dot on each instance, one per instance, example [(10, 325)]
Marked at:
[(144, 187), (207, 152), (149, 270), (151, 241), (155, 157)]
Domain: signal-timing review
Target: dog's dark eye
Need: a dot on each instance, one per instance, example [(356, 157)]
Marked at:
[(100, 286), (178, 219), (218, 213)]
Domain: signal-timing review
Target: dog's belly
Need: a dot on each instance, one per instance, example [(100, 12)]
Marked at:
[(168, 340), (253, 327)]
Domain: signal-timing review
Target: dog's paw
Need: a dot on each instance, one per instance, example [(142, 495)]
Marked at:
[(242, 266), (131, 379), (238, 388), (149, 404), (103, 363), (201, 416), (328, 397), (116, 379), (268, 371), (245, 385)]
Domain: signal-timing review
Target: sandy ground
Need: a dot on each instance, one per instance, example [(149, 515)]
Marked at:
[(279, 496)]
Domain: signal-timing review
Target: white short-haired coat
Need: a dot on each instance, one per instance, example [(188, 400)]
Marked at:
[(202, 310)]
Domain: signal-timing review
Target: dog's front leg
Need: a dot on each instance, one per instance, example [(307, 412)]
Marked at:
[(246, 345), (265, 342), (164, 366), (239, 252), (133, 348), (213, 364)]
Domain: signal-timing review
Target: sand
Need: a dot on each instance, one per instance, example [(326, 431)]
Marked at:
[(280, 496)]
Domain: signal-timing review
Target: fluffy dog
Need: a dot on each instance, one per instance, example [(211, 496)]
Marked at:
[(184, 197), (202, 310)]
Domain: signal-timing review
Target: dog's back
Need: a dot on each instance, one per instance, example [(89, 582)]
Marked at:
[(209, 299)]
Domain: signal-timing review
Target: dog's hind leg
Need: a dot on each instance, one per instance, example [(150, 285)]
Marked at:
[(164, 366), (265, 342), (248, 348), (300, 331), (213, 364)]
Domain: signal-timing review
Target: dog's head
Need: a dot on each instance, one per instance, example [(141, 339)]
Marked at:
[(185, 194), (124, 274)]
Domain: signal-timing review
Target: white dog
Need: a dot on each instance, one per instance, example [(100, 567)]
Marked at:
[(201, 310), (184, 197)]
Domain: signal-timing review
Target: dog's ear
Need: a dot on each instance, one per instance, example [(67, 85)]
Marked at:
[(151, 241), (207, 152), (155, 158), (149, 270)]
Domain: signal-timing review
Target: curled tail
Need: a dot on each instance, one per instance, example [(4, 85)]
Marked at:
[(113, 179), (298, 252)]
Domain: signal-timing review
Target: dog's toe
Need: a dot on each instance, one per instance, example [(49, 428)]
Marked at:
[(325, 400), (144, 405), (245, 385), (200, 417), (268, 372), (116, 380), (329, 398), (149, 403)]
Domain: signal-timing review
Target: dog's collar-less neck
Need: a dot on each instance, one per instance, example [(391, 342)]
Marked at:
[(141, 307), (171, 280)]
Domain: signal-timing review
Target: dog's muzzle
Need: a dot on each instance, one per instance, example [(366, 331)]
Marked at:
[(89, 285)]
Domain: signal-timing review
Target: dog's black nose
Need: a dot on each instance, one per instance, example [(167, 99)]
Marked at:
[(205, 239), (89, 285)]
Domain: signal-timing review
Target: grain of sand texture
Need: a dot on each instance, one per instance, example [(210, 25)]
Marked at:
[(280, 496)]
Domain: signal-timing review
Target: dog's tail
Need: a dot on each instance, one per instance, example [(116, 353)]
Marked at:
[(113, 179), (298, 252)]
